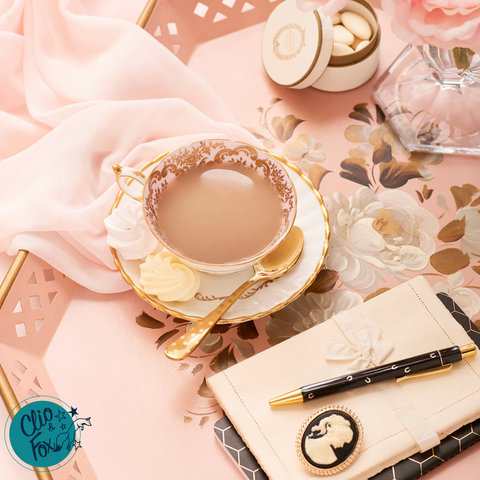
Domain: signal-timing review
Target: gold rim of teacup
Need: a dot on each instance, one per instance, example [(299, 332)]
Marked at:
[(194, 318), (164, 157)]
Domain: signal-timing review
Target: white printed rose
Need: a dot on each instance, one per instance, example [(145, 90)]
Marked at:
[(307, 311), (465, 298), (374, 235), (470, 242)]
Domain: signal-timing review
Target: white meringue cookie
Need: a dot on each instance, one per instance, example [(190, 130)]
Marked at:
[(128, 232), (165, 276)]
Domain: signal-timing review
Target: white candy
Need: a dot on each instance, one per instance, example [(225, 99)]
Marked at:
[(336, 19), (340, 49), (342, 35), (362, 45), (357, 25), (356, 42)]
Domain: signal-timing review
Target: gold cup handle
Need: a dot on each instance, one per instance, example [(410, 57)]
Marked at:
[(127, 172)]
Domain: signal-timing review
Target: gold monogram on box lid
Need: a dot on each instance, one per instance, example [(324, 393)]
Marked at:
[(329, 440)]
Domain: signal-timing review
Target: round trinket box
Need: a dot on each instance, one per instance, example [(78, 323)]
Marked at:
[(329, 440), (298, 49)]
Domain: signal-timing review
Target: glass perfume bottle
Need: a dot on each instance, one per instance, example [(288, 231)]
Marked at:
[(431, 96)]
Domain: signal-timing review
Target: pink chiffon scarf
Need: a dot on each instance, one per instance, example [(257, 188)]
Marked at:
[(78, 94)]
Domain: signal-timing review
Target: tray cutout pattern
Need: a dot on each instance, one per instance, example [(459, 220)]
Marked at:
[(29, 318), (184, 24)]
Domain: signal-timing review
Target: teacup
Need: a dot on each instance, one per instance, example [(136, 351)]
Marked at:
[(206, 156)]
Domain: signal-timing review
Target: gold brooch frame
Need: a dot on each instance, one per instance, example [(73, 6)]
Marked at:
[(348, 460)]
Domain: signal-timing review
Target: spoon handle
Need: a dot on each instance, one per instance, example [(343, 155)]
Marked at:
[(188, 342)]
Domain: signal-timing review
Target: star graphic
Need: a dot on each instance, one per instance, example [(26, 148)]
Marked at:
[(63, 426), (73, 412), (60, 415), (77, 445)]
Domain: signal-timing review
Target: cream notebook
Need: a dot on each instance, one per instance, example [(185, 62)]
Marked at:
[(410, 317)]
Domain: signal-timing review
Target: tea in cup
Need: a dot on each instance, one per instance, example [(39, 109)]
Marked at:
[(218, 205)]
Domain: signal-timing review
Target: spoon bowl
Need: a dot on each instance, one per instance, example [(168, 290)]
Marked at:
[(275, 264), (284, 257)]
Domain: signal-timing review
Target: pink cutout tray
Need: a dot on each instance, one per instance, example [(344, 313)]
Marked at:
[(183, 25), (29, 318), (62, 340), (86, 348)]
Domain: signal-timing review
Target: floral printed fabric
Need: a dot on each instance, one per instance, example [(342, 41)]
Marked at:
[(381, 233), (79, 94), (374, 235)]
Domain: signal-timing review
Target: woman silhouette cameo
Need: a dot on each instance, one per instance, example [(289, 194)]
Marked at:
[(333, 432)]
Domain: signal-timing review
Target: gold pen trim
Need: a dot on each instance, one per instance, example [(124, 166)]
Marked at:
[(468, 350), (295, 396), (426, 373)]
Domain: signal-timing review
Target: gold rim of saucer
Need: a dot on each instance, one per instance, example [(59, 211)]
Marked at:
[(192, 318)]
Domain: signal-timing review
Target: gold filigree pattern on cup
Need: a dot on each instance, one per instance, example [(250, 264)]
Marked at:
[(220, 156), (178, 163), (204, 152)]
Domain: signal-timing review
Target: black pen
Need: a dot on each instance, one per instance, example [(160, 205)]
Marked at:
[(400, 370)]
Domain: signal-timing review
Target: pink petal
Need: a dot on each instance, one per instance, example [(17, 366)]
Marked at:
[(310, 5), (329, 7), (333, 6)]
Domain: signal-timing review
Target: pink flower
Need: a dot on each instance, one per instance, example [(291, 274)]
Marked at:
[(329, 7), (442, 23)]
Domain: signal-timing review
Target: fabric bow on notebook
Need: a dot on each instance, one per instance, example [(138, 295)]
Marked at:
[(365, 347), (398, 420)]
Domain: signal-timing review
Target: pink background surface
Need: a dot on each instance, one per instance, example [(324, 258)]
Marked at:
[(102, 362)]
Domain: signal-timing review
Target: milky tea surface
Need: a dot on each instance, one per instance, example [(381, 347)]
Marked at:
[(219, 214)]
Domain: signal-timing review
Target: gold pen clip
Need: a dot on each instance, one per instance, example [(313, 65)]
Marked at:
[(426, 373)]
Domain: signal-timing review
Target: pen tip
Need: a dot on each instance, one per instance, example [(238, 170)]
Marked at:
[(288, 398)]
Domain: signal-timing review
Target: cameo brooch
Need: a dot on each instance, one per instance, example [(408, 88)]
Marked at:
[(329, 440)]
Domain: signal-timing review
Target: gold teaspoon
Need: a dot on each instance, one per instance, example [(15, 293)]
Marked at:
[(274, 265)]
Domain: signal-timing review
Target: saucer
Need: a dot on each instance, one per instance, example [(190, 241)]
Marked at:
[(263, 298)]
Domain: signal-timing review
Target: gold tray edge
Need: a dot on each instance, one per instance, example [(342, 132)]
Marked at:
[(11, 275), (6, 392), (146, 13)]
